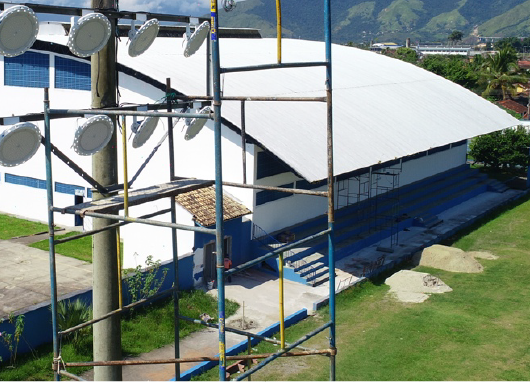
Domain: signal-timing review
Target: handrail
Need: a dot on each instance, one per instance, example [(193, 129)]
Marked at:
[(269, 241)]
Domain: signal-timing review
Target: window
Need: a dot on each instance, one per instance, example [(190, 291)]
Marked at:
[(67, 188), (25, 181), (31, 70), (266, 196), (269, 165), (71, 74)]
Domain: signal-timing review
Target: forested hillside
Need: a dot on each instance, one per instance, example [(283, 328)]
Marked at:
[(382, 20)]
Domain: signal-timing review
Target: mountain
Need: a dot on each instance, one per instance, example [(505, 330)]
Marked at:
[(385, 20)]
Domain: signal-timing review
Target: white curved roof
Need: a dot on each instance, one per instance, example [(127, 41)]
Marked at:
[(383, 108)]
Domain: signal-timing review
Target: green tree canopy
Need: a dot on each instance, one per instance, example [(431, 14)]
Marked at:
[(407, 55), (500, 73), (455, 36), (507, 149), (454, 68)]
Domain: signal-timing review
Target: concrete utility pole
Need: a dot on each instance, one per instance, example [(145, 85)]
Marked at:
[(105, 295)]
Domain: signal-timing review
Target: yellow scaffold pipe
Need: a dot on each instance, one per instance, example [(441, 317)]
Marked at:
[(282, 315), (279, 28), (125, 204)]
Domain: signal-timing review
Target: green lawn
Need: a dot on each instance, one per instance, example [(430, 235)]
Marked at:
[(80, 249), (479, 331), (12, 227), (142, 331)]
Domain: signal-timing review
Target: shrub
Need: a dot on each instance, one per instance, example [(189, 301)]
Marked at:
[(70, 314), (507, 149), (145, 284)]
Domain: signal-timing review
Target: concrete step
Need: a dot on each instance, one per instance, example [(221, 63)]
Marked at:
[(320, 280), (315, 267), (496, 186), (311, 259), (315, 275)]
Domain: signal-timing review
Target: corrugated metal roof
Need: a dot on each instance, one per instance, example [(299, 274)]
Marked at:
[(383, 108), (201, 204)]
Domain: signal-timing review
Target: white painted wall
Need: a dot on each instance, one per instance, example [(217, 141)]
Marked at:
[(282, 213), (287, 211), (141, 241), (194, 158), (423, 167)]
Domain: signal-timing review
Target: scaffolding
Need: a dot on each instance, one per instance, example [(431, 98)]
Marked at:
[(121, 199), (385, 221)]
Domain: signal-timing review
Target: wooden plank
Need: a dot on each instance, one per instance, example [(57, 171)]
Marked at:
[(144, 195)]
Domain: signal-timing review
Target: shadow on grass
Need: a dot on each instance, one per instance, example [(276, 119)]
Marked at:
[(494, 214)]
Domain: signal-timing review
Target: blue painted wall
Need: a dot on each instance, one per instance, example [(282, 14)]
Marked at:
[(240, 233)]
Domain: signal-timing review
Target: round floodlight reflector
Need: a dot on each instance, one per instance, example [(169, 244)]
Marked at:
[(144, 132), (196, 124), (93, 135), (19, 27), (194, 42), (89, 34), (142, 39), (19, 143)]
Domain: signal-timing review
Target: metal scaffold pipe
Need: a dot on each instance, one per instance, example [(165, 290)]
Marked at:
[(174, 246), (219, 221), (279, 29), (197, 359), (51, 230), (331, 185)]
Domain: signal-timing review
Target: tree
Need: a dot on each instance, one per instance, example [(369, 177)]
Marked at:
[(507, 42), (453, 68), (500, 73), (507, 149), (455, 36), (407, 55)]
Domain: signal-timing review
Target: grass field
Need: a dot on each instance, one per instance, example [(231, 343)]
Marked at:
[(80, 249), (142, 331), (12, 227), (479, 331)]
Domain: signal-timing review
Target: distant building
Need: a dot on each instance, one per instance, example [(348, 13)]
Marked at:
[(378, 47), (444, 50)]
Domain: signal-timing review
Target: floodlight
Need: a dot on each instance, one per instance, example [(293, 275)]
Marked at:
[(93, 135), (19, 143), (141, 39), (144, 131), (89, 34), (194, 126), (191, 44), (19, 27)]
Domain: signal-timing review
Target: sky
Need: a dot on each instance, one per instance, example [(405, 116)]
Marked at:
[(179, 7)]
